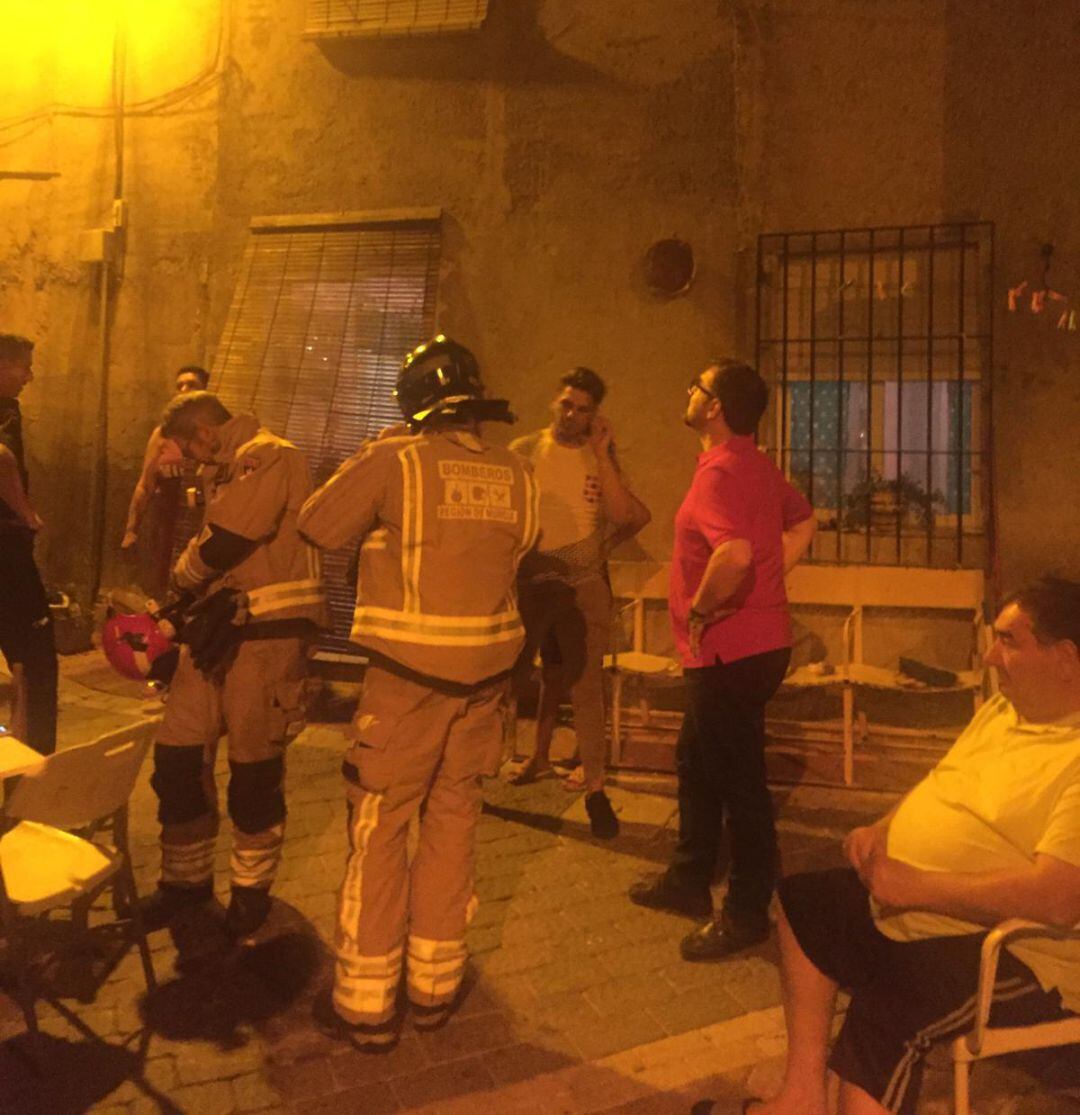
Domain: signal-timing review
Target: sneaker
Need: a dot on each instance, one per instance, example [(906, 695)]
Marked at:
[(248, 908), (602, 819), (661, 892), (169, 902), (720, 938), (381, 1038)]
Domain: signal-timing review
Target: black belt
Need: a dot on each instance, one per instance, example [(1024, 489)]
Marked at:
[(439, 685)]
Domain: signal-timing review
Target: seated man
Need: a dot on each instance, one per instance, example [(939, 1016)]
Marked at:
[(993, 832)]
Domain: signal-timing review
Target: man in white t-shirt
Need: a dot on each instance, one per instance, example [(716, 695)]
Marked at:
[(993, 832), (586, 509)]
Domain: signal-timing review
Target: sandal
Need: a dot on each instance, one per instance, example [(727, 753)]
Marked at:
[(526, 775), (574, 782)]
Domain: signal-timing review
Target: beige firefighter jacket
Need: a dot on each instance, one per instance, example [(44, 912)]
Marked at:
[(445, 520), (256, 491)]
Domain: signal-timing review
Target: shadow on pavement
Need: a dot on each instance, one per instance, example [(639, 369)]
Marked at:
[(78, 1073), (224, 990)]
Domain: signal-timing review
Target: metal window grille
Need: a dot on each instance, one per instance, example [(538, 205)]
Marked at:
[(877, 342), (319, 322), (374, 18)]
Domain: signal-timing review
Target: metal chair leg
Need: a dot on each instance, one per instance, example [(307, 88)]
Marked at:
[(132, 898), (961, 1089), (25, 993)]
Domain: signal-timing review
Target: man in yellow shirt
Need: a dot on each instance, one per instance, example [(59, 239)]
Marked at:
[(993, 832)]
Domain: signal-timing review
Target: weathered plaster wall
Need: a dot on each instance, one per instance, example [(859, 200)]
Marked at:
[(937, 110), (1012, 121), (59, 54), (560, 142)]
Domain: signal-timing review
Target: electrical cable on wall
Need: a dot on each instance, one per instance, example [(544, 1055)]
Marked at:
[(171, 103)]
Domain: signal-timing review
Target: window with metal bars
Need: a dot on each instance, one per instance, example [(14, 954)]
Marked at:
[(877, 343), (373, 18), (323, 312)]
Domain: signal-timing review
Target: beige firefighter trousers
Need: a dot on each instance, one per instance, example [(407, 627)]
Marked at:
[(415, 751), (260, 704)]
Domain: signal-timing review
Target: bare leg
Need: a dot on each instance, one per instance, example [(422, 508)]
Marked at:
[(547, 712), (854, 1101), (809, 1005)]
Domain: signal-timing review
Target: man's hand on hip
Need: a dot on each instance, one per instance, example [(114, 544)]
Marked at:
[(862, 843)]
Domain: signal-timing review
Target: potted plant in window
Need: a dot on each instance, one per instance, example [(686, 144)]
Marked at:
[(882, 501)]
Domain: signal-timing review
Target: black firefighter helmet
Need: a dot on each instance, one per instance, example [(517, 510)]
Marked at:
[(440, 379)]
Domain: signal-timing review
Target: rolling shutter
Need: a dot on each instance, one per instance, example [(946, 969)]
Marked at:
[(320, 319), (373, 18)]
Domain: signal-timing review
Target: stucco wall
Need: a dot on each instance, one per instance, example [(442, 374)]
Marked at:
[(560, 141)]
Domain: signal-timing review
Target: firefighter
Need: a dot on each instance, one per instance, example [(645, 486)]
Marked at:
[(444, 520), (258, 600)]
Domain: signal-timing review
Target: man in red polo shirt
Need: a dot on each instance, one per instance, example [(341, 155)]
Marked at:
[(738, 531)]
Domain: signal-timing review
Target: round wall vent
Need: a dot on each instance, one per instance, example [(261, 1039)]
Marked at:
[(669, 267)]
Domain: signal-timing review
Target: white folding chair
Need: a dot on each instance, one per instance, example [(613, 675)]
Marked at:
[(64, 840), (984, 1040)]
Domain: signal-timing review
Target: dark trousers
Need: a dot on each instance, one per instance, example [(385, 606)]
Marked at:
[(720, 761), (905, 995), (26, 637)]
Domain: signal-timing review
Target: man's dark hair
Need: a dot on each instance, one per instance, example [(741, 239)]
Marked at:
[(741, 392), (13, 346), (198, 370), (1053, 605), (179, 417), (585, 379)]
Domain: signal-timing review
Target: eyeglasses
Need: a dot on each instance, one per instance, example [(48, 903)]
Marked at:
[(697, 385)]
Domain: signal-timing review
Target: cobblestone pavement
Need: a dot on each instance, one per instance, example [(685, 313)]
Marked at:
[(578, 1000)]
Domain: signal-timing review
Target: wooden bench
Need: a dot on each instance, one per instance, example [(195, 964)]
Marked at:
[(636, 584), (862, 589), (853, 592)]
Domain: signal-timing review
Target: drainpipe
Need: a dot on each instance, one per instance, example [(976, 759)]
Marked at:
[(111, 271)]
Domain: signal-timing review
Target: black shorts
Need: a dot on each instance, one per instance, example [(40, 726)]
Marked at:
[(905, 996)]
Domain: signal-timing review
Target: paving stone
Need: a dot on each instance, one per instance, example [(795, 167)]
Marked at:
[(660, 1104), (484, 939), (616, 995), (685, 976), (494, 887), (565, 966), (690, 1009), (523, 1061), (568, 1008), (351, 1067), (368, 1099), (513, 992), (491, 912), (443, 1082), (573, 974), (620, 1032), (301, 1079), (505, 962), (195, 1067), (638, 959), (252, 1092), (215, 1098), (464, 1037), (477, 998), (755, 985)]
